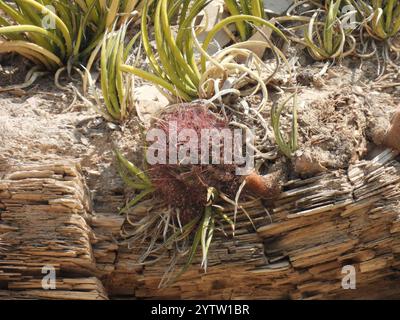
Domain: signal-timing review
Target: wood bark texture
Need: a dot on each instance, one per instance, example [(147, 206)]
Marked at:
[(294, 250)]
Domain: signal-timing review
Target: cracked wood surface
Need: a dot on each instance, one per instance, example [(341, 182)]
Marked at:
[(297, 251)]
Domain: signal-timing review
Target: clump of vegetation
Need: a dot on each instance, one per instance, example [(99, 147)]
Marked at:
[(381, 18), (187, 190), (174, 65), (183, 185), (190, 195), (134, 178), (287, 148), (380, 21), (327, 39), (334, 29), (53, 34), (253, 8), (191, 190), (116, 86)]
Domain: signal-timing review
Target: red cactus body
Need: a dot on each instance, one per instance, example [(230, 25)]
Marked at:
[(184, 186)]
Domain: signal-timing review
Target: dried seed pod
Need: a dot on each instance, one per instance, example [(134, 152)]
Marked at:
[(268, 186)]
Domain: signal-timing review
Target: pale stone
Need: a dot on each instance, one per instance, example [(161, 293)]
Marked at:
[(277, 7)]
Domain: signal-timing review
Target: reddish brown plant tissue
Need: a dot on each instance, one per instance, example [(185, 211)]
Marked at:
[(184, 186), (268, 186)]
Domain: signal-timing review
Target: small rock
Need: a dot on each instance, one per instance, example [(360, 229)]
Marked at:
[(259, 49), (306, 165), (149, 102), (112, 126), (277, 7)]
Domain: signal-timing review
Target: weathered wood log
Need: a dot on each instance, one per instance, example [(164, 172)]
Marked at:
[(293, 248)]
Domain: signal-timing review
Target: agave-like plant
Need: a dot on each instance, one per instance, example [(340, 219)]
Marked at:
[(175, 68), (243, 7), (135, 179), (116, 86), (286, 147), (174, 65), (57, 33), (381, 18), (327, 39)]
